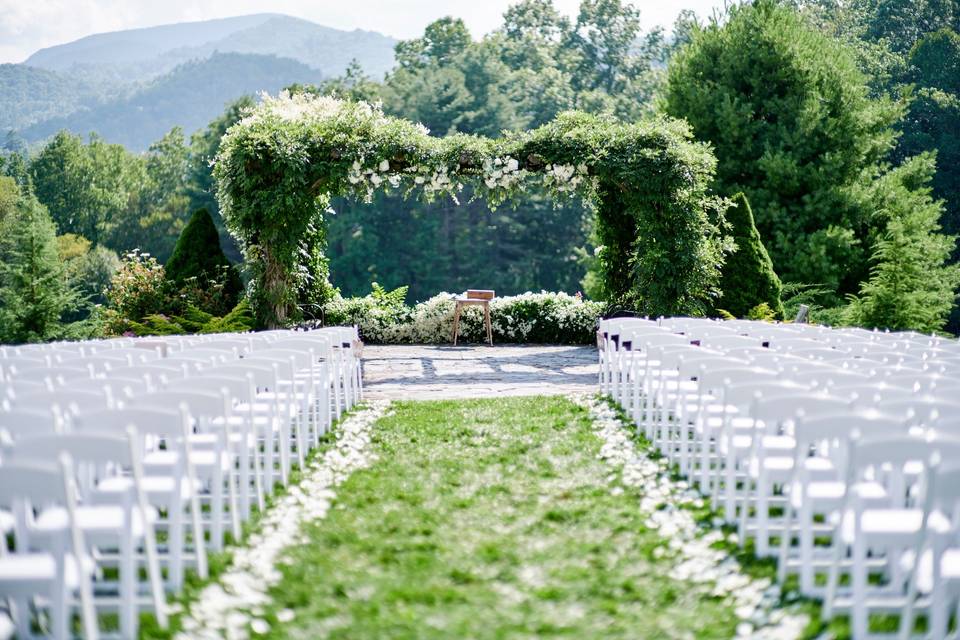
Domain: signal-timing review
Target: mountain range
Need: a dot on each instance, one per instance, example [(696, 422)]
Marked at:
[(132, 86)]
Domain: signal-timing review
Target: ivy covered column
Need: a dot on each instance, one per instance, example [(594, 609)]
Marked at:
[(617, 231)]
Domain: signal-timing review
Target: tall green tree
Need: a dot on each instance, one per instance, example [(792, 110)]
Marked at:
[(794, 128), (34, 294), (903, 23), (933, 121), (87, 188), (198, 256), (910, 284), (442, 41), (159, 209)]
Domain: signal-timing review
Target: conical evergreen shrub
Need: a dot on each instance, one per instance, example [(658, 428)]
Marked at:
[(198, 255), (747, 278)]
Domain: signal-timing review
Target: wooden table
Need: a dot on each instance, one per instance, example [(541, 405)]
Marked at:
[(461, 303)]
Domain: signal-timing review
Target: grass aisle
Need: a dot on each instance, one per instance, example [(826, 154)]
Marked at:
[(487, 519)]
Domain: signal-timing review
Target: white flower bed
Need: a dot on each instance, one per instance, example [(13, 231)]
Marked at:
[(662, 501), (529, 317), (233, 606)]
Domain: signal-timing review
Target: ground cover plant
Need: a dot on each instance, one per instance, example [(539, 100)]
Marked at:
[(487, 519)]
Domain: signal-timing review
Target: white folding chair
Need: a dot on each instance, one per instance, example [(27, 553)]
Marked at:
[(173, 487), (50, 580), (212, 456), (817, 485), (125, 527), (886, 532), (769, 464)]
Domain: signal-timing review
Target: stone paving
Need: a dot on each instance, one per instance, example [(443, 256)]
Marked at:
[(430, 372)]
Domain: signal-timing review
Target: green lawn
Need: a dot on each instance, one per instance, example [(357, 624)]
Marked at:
[(487, 519)]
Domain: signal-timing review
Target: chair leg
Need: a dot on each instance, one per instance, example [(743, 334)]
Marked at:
[(175, 543), (859, 615), (21, 616), (128, 587), (59, 612), (763, 515), (807, 572)]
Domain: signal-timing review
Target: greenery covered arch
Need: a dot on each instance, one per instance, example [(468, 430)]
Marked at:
[(648, 182)]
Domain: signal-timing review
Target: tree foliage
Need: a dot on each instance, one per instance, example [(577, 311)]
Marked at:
[(794, 128), (747, 278), (34, 294), (910, 287)]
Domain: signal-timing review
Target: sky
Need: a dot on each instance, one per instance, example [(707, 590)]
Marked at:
[(29, 25)]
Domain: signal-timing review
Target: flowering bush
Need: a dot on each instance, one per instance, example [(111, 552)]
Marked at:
[(545, 317), (139, 288), (142, 301)]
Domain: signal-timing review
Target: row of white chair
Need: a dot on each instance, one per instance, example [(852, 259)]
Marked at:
[(170, 443), (835, 451)]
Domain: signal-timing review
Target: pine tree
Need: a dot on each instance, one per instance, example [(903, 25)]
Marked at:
[(747, 278), (34, 293), (198, 255), (793, 127), (910, 285)]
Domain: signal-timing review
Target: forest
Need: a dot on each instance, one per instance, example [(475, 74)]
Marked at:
[(837, 121)]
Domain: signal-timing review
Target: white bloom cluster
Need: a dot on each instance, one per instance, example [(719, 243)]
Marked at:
[(565, 178), (235, 605), (692, 548), (372, 177), (502, 173), (309, 107), (437, 181)]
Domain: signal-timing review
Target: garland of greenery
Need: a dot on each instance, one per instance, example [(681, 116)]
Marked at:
[(278, 167)]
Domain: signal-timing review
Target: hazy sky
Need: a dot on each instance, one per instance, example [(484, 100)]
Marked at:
[(28, 25)]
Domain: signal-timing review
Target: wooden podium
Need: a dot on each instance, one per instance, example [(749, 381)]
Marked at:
[(480, 297)]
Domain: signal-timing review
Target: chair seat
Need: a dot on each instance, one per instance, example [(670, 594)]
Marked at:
[(779, 467), (206, 441), (744, 442), (99, 523), (715, 423), (203, 461), (949, 569), (824, 495), (29, 573), (266, 409), (159, 490), (891, 526), (262, 420)]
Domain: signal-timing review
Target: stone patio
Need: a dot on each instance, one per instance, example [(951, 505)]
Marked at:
[(428, 372)]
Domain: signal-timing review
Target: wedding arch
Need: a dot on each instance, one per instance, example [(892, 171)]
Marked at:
[(659, 228)]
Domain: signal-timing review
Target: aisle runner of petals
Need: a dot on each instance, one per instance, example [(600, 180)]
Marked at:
[(662, 502), (233, 607)]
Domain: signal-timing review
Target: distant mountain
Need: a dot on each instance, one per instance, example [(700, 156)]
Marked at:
[(141, 54), (190, 96), (132, 86), (29, 95)]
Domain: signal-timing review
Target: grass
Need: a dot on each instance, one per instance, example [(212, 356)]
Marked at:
[(487, 519)]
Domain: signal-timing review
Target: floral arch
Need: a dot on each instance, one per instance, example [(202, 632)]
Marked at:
[(648, 182)]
